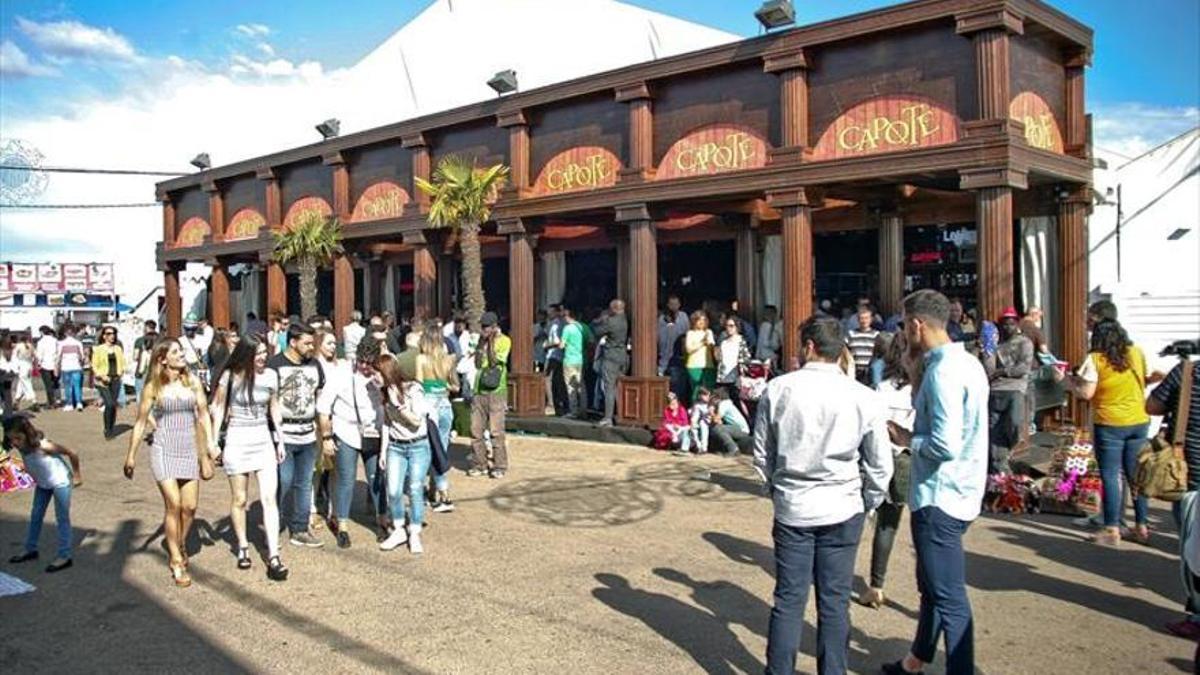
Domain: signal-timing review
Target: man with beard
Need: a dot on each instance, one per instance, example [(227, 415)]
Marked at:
[(1008, 371), (300, 381)]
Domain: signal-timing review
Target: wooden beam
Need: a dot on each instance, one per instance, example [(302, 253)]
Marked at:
[(994, 206)]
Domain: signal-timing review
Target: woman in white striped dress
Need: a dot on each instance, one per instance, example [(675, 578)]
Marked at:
[(243, 397), (177, 457)]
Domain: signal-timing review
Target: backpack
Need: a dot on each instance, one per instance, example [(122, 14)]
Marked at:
[(1161, 465)]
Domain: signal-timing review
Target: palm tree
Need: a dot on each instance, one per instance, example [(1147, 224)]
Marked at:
[(461, 195), (311, 243)]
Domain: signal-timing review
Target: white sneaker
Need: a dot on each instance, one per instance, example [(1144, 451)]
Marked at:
[(79, 408), (67, 408), (414, 539), (394, 539)]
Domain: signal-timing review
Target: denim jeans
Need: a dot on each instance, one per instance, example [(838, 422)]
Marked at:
[(444, 416), (407, 465), (347, 471), (941, 581), (138, 384), (72, 386), (62, 517), (1116, 452), (806, 556), (295, 484)]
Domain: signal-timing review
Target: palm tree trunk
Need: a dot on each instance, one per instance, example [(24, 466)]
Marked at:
[(308, 287), (472, 274)]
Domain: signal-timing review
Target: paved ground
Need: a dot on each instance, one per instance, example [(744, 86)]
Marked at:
[(586, 559)]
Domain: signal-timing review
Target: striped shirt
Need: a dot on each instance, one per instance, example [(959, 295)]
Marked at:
[(1167, 394), (862, 345)]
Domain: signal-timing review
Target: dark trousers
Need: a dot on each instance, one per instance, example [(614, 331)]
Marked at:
[(295, 484), (50, 383), (806, 556), (1006, 415), (558, 387), (611, 369), (108, 394), (941, 580), (887, 523), (725, 439)]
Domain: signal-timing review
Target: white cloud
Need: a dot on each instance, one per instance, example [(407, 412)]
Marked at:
[(15, 64), (244, 65), (72, 39), (266, 49), (253, 29), (1131, 129)]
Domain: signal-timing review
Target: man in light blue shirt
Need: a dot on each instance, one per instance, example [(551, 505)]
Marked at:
[(949, 444)]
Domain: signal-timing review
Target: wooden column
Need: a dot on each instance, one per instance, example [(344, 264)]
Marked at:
[(518, 152), (994, 219), (891, 262), (640, 164), (641, 395), (990, 29), (274, 203), (168, 223), (745, 265), (219, 294), (173, 302), (341, 184), (216, 212), (797, 244), (792, 68), (425, 276), (276, 286), (1073, 282), (526, 388), (421, 168), (343, 291), (1076, 123)]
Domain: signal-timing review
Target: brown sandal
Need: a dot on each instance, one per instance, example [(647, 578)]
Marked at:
[(1141, 534), (1107, 538), (179, 575)]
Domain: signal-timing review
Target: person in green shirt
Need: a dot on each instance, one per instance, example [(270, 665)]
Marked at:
[(490, 403), (572, 338)]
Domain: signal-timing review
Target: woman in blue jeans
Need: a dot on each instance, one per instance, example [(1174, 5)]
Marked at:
[(406, 458), (435, 372), (1114, 378)]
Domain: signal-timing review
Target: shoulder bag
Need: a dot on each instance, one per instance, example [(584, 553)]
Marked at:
[(492, 373), (1162, 465)]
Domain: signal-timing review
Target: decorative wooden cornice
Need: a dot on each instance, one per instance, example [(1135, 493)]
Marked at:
[(511, 118), (510, 226), (1000, 17), (264, 172), (1004, 127), (789, 197), (632, 92), (1074, 194), (999, 176), (333, 158), (625, 213), (413, 140), (778, 62), (1078, 58), (414, 238), (210, 186)]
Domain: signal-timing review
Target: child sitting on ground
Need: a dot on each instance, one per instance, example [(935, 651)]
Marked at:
[(729, 426), (701, 417), (675, 431), (53, 480)]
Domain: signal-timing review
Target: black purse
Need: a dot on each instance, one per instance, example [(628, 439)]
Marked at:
[(491, 373), (221, 433), (441, 458)]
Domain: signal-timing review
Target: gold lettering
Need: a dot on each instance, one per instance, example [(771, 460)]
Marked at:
[(914, 124), (735, 151), (594, 172), (1039, 131)]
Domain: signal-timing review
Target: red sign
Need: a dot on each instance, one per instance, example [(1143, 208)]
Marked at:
[(5, 282), (583, 168), (23, 277), (1041, 127), (75, 277), (887, 124), (384, 199), (245, 224), (100, 277), (306, 207), (192, 232), (50, 279), (713, 149), (926, 257)]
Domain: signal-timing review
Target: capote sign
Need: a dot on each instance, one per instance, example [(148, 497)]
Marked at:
[(713, 149), (887, 124), (303, 208), (581, 168)]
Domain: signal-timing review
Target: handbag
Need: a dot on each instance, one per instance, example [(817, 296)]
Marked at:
[(441, 458), (221, 433), (1161, 465), (492, 373)]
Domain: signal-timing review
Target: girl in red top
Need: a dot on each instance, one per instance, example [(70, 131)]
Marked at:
[(675, 430)]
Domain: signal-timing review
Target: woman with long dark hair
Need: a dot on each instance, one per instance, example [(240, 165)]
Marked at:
[(435, 372), (245, 395), (176, 400), (1114, 378), (406, 456), (224, 340), (108, 366)]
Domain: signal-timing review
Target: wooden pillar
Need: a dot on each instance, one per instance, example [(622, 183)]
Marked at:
[(791, 66), (425, 276), (526, 388), (641, 395), (518, 152), (341, 184), (745, 266), (1076, 131), (276, 286), (797, 244), (274, 203), (990, 29), (891, 262), (343, 291), (173, 302), (421, 168), (640, 164), (994, 219), (168, 222), (216, 211), (1073, 281), (219, 294)]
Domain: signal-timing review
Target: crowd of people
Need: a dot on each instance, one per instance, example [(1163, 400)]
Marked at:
[(875, 415)]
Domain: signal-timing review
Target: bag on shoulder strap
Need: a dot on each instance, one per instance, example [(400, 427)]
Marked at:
[(1162, 466)]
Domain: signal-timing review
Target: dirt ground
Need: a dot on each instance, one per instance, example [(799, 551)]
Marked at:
[(585, 559)]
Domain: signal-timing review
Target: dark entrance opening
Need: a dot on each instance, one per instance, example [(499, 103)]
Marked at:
[(495, 287), (847, 266), (324, 294), (591, 281), (697, 272)]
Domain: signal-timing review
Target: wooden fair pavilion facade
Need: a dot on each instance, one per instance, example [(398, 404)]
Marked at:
[(897, 122)]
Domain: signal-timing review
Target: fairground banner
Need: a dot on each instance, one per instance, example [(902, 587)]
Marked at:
[(45, 278)]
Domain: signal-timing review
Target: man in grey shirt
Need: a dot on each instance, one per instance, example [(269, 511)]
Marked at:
[(821, 444), (613, 329), (1008, 370)]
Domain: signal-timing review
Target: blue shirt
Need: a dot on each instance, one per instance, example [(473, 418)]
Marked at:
[(950, 434)]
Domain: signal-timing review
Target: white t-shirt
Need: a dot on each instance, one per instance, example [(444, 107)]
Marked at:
[(47, 352), (414, 403), (899, 404), (70, 354)]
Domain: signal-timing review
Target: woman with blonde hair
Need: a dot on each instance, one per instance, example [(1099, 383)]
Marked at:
[(177, 458), (698, 346), (436, 373)]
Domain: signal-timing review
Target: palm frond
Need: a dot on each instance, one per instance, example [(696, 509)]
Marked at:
[(313, 237)]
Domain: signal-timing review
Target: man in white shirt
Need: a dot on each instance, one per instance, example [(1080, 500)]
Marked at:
[(821, 443), (47, 360), (352, 334), (204, 336), (769, 337)]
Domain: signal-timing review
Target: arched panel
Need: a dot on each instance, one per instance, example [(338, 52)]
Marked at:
[(302, 207), (887, 124), (712, 149)]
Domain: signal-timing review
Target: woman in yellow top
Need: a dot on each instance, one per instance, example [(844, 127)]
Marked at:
[(108, 365), (698, 346), (1114, 378)]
